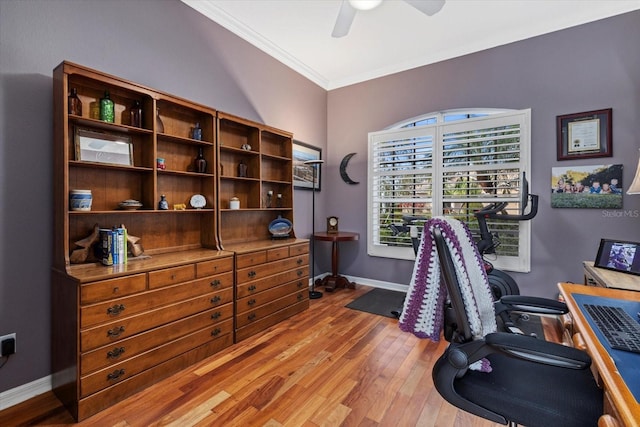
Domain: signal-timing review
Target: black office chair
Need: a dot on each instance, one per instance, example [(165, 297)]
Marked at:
[(532, 382)]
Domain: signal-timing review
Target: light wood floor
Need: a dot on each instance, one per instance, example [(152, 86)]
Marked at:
[(329, 366)]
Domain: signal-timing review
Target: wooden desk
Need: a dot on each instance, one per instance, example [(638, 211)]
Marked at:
[(330, 282), (619, 403), (594, 276)]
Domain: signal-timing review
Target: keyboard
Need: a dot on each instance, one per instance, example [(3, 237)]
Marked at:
[(621, 331)]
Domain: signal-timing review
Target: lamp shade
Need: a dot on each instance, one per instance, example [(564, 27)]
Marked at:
[(635, 185)]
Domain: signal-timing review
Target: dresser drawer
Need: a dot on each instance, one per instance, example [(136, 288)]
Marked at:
[(112, 288), (277, 253), (252, 258), (171, 276), (96, 314), (257, 272), (270, 308), (127, 368), (299, 249), (110, 333), (254, 301), (129, 347), (216, 266), (262, 285)]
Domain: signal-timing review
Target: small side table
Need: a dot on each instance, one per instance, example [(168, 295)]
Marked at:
[(330, 282)]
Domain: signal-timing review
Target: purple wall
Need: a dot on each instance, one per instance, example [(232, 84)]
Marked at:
[(591, 67)]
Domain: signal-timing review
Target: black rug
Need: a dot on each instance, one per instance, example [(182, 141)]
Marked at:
[(379, 301)]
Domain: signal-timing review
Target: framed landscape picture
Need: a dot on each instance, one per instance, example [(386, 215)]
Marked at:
[(303, 175), (595, 187)]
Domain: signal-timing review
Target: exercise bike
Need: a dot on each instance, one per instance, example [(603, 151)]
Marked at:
[(501, 283)]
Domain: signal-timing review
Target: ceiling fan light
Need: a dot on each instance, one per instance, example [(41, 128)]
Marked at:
[(365, 4)]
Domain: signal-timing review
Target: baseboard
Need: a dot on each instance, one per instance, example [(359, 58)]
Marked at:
[(378, 283), (24, 392), (370, 282)]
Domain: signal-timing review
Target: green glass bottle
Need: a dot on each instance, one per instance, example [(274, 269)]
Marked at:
[(107, 110)]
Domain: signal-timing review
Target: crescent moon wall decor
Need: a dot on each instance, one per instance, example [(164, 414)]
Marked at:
[(343, 169)]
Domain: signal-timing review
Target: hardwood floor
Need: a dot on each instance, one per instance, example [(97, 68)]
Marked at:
[(328, 366)]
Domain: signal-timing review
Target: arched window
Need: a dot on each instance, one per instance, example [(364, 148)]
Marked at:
[(449, 163)]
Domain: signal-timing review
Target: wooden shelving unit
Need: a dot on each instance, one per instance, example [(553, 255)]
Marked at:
[(118, 329)]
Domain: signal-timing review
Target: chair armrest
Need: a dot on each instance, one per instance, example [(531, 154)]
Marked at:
[(538, 351), (531, 305)]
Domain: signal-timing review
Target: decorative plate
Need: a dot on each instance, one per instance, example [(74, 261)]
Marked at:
[(198, 201), (130, 204), (280, 227)]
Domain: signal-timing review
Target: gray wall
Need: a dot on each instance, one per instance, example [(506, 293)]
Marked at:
[(162, 44), (591, 67), (166, 45)]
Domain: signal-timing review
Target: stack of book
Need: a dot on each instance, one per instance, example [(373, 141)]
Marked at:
[(114, 245)]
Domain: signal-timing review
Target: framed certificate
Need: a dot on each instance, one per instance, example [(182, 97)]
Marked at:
[(584, 135)]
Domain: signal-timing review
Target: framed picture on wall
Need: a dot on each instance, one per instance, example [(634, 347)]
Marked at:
[(584, 135), (303, 175), (590, 187)]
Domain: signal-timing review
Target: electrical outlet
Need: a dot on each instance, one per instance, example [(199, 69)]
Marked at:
[(7, 344)]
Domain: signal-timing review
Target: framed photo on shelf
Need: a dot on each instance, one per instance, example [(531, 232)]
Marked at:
[(304, 176), (98, 147), (584, 135)]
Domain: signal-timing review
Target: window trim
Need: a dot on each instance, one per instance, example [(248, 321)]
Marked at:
[(403, 129)]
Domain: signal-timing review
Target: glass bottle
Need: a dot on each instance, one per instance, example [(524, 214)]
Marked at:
[(107, 108), (163, 204), (136, 114), (75, 105), (269, 196), (279, 200), (242, 169), (159, 124), (200, 163), (196, 132)]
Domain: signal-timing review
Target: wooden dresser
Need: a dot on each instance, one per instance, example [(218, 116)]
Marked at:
[(272, 285)]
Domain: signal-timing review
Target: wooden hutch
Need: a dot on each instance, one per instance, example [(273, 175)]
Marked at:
[(208, 275)]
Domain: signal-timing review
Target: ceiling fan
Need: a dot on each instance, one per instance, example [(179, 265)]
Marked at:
[(349, 8)]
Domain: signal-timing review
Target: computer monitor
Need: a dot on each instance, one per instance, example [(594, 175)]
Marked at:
[(619, 255)]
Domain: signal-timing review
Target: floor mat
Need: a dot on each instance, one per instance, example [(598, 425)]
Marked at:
[(379, 301)]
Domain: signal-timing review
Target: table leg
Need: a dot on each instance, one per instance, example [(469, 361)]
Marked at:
[(335, 280)]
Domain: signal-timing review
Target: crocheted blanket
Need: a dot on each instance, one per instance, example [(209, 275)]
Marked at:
[(423, 312)]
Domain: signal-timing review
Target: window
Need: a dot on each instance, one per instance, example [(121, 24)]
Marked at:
[(450, 163)]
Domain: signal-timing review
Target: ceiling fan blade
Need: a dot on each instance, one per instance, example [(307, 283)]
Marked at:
[(344, 20), (428, 7)]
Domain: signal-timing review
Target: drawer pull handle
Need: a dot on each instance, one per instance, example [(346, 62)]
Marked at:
[(215, 332), (251, 316), (252, 288), (215, 299), (115, 310), (116, 290), (300, 284), (251, 273), (251, 301), (115, 332), (299, 273), (299, 262), (115, 374), (173, 277), (300, 297), (216, 315), (215, 283), (115, 353)]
